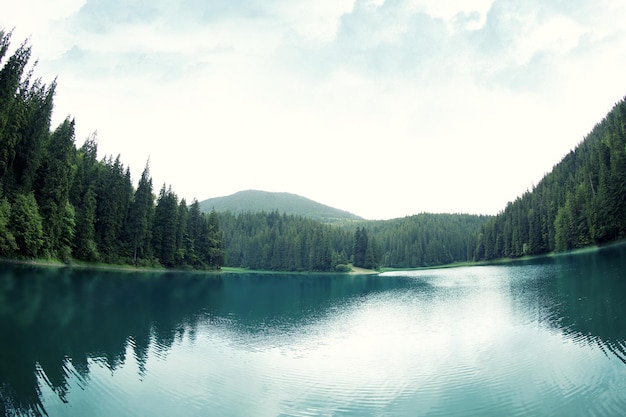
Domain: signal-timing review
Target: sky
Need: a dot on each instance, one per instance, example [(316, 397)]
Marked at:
[(384, 108)]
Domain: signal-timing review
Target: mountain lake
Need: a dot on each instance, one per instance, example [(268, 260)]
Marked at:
[(544, 337)]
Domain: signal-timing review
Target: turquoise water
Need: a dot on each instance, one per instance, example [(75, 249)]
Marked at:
[(546, 337)]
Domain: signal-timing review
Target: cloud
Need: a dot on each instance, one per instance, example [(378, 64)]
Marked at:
[(104, 16), (389, 39)]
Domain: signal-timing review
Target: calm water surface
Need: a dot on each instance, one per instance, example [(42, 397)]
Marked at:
[(546, 337)]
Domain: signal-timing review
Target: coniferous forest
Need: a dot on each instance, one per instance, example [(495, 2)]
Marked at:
[(581, 202), (274, 241), (58, 201)]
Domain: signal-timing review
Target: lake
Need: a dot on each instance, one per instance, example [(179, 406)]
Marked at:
[(537, 338)]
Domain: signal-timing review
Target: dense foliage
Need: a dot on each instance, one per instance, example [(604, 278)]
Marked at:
[(426, 239), (281, 242), (274, 241), (582, 201), (57, 201)]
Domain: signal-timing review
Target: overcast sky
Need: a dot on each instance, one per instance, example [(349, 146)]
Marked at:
[(382, 108)]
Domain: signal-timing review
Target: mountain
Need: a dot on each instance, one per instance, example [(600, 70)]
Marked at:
[(255, 201)]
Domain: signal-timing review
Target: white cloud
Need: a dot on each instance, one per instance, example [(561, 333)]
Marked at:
[(35, 15), (310, 21)]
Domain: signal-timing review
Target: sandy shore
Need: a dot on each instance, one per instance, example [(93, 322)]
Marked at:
[(362, 271)]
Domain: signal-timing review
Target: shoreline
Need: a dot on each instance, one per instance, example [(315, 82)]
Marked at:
[(355, 270), (51, 263)]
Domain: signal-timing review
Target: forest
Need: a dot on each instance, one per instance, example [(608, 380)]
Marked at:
[(581, 202), (274, 241), (60, 202)]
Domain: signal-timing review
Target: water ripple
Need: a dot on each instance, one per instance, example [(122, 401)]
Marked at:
[(485, 341)]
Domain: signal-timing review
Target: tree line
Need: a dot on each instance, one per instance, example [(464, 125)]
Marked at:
[(426, 239), (281, 242), (581, 202), (274, 241), (57, 201)]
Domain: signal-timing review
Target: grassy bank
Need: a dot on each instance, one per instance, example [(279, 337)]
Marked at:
[(353, 271)]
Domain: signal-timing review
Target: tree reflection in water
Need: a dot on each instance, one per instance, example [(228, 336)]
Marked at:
[(51, 318), (57, 322)]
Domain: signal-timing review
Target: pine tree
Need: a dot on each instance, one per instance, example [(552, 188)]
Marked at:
[(180, 257), (11, 107), (33, 133), (83, 198), (165, 226), (114, 193), (194, 230), (360, 247), (216, 250), (371, 254), (53, 185), (25, 224), (140, 217), (84, 241), (7, 241)]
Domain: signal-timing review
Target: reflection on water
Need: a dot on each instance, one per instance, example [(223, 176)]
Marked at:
[(592, 299), (494, 340), (582, 296), (56, 319), (51, 316)]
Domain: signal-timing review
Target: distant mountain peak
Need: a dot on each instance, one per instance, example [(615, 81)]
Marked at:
[(284, 202)]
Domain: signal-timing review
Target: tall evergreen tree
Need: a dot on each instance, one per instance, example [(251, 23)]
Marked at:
[(83, 198), (53, 187), (7, 241), (140, 217), (33, 133), (114, 191), (165, 226), (5, 42), (194, 231), (216, 249), (11, 107), (371, 254), (84, 241), (321, 255), (360, 247), (25, 225), (180, 256)]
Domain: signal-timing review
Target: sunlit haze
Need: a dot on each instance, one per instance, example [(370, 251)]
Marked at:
[(381, 108)]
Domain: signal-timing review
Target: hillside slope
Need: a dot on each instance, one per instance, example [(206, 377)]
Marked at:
[(256, 200), (581, 202)]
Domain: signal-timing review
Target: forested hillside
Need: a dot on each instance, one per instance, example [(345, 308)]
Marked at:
[(256, 201), (281, 242), (274, 241), (426, 239), (581, 202), (57, 201)]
